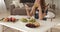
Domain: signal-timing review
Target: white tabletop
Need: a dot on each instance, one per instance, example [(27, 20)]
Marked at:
[(45, 25)]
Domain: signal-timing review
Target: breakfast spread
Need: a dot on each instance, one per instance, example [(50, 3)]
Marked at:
[(31, 22)]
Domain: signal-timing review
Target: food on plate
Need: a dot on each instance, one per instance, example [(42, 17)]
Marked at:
[(36, 24), (28, 20), (33, 25), (6, 19), (32, 20), (11, 19), (30, 25), (24, 20)]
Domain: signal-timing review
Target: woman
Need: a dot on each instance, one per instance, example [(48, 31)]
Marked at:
[(40, 6)]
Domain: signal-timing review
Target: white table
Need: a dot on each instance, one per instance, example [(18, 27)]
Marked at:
[(45, 25)]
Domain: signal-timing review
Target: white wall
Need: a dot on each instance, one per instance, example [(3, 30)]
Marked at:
[(8, 2), (48, 1), (2, 6), (57, 3), (2, 10)]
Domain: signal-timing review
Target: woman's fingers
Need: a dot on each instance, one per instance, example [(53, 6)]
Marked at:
[(44, 14)]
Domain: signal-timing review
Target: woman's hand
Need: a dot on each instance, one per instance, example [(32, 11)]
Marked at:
[(44, 14)]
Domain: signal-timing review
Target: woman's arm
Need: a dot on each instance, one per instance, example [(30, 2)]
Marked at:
[(32, 11), (27, 10), (40, 13)]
